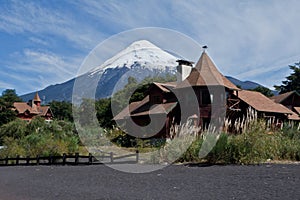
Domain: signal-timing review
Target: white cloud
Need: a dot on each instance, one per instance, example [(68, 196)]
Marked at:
[(242, 34), (38, 69), (23, 17), (39, 41), (245, 38)]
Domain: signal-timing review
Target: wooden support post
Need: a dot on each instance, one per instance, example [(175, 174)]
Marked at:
[(90, 158), (111, 157), (50, 160), (137, 156), (76, 158), (37, 160), (27, 160), (17, 160), (6, 160), (64, 159)]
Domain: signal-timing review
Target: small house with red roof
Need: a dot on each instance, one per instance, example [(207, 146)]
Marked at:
[(28, 110), (290, 100)]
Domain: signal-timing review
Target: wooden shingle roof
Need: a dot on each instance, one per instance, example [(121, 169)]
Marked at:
[(262, 103), (165, 87), (157, 109), (126, 112), (22, 107), (294, 116), (206, 73), (297, 109), (281, 97)]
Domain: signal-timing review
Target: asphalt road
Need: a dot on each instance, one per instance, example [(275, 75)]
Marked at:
[(173, 182)]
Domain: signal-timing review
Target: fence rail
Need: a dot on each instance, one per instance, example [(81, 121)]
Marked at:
[(69, 159)]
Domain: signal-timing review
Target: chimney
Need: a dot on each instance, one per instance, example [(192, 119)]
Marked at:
[(183, 69)]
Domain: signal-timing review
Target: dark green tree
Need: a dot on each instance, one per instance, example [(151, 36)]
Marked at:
[(62, 110), (265, 91), (292, 82), (104, 113), (7, 100), (10, 96)]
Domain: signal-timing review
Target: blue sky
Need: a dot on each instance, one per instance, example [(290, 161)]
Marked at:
[(45, 42)]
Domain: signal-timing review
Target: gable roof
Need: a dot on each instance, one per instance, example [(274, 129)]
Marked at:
[(294, 116), (43, 110), (297, 109), (126, 112), (157, 109), (206, 73), (141, 108), (262, 103), (22, 107), (281, 97), (165, 87)]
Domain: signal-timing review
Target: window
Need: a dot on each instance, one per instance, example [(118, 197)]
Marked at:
[(205, 97)]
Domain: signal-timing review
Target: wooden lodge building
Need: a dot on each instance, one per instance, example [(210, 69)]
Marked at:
[(201, 94), (291, 100), (26, 111)]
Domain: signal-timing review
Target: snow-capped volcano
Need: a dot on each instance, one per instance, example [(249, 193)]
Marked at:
[(139, 60), (142, 54)]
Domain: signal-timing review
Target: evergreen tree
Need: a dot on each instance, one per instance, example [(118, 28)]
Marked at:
[(62, 110), (7, 100), (292, 82), (104, 113)]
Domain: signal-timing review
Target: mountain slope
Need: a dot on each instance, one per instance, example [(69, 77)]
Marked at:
[(246, 85), (139, 60)]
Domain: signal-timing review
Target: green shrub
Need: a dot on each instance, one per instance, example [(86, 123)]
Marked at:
[(121, 138), (219, 153), (191, 154), (38, 138)]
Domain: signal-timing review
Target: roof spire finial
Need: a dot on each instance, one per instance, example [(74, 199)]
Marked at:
[(204, 48)]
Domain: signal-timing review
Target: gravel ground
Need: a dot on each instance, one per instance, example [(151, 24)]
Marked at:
[(274, 181)]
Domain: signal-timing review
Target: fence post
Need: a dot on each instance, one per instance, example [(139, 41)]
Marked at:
[(6, 160), (76, 158), (50, 159), (17, 160), (27, 160), (90, 158), (137, 156), (111, 157), (37, 160), (64, 159)]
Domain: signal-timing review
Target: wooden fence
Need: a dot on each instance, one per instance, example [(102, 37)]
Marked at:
[(70, 159)]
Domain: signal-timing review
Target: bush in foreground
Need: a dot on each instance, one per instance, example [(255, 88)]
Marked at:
[(38, 138)]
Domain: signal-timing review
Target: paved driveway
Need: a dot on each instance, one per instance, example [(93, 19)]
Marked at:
[(173, 182)]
